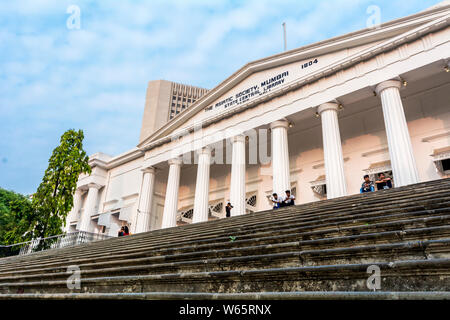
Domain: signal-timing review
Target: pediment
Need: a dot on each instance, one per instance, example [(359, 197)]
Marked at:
[(258, 80), (261, 84)]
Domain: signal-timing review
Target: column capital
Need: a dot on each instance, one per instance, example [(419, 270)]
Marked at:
[(175, 161), (94, 186), (279, 123), (387, 84), (328, 106), (238, 138), (204, 150), (149, 169)]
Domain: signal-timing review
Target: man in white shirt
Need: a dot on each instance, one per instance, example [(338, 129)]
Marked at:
[(289, 199)]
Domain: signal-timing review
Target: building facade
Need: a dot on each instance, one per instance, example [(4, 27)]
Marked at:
[(314, 120)]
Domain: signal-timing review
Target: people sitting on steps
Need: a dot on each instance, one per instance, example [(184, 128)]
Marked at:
[(383, 182), (124, 231), (288, 200), (275, 201), (367, 185), (278, 202)]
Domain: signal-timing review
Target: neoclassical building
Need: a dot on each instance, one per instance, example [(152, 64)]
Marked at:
[(314, 120)]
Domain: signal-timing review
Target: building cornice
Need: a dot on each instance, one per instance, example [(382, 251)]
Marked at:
[(128, 156), (133, 154), (396, 29)]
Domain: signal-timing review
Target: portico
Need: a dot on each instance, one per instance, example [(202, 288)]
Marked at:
[(327, 120), (369, 104)]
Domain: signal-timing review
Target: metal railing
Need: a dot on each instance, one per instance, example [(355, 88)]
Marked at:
[(54, 242)]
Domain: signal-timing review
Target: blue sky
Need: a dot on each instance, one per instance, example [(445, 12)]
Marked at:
[(53, 78)]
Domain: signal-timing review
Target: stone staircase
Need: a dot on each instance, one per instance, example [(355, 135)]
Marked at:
[(316, 250)]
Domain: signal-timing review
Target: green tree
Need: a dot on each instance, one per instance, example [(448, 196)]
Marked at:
[(15, 212), (45, 215), (19, 228), (54, 197)]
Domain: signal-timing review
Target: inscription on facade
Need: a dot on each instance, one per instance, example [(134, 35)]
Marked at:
[(256, 90)]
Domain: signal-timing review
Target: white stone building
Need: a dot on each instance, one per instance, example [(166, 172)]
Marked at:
[(314, 120)]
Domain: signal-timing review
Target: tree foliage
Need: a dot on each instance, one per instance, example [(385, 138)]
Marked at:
[(54, 197), (15, 213), (45, 215)]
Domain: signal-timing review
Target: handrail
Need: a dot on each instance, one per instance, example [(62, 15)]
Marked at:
[(19, 243), (53, 242)]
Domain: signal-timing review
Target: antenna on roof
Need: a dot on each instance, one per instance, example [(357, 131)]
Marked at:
[(284, 35)]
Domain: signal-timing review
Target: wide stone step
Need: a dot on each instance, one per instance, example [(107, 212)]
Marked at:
[(415, 250), (266, 238), (438, 202), (297, 295), (320, 246), (230, 250), (179, 229), (409, 275), (271, 244)]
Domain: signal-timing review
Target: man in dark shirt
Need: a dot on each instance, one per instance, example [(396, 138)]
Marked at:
[(383, 182), (228, 208)]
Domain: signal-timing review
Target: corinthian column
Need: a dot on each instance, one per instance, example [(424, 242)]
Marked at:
[(332, 151), (171, 202), (201, 209), (145, 200), (280, 157), (400, 150), (237, 187)]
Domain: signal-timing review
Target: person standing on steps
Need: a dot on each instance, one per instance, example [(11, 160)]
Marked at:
[(276, 201), (367, 185), (289, 199), (383, 182), (228, 208)]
